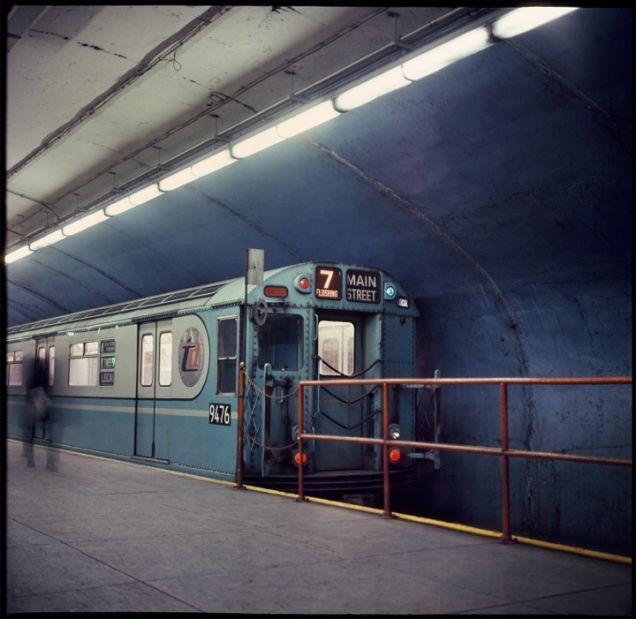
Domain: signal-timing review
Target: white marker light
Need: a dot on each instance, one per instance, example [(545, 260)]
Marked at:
[(17, 254), (436, 58), (212, 164), (256, 143), (526, 18), (308, 119), (178, 179), (47, 240), (84, 223), (371, 89)]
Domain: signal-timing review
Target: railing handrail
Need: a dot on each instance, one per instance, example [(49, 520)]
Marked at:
[(504, 452), (509, 380)]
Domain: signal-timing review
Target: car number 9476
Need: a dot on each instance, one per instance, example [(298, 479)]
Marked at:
[(220, 414)]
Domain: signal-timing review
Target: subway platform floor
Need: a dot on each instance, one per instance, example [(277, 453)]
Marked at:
[(101, 535)]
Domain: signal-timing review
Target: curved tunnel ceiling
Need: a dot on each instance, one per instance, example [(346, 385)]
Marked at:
[(508, 171)]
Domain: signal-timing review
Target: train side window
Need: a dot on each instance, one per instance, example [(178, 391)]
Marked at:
[(83, 364), (147, 359), (51, 366), (14, 368), (280, 342), (165, 359), (226, 355), (336, 346)]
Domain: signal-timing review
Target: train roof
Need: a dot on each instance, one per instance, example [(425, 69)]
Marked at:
[(229, 291)]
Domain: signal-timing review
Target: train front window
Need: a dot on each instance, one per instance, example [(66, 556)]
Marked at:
[(280, 342), (336, 347)]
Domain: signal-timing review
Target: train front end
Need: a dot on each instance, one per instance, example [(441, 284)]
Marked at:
[(326, 321)]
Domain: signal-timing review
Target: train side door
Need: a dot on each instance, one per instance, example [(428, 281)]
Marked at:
[(148, 376), (340, 411)]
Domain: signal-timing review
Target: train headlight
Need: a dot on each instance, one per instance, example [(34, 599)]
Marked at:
[(394, 431)]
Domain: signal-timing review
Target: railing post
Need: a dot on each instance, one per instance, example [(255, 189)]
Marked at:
[(505, 483), (301, 496), (241, 415), (385, 451)]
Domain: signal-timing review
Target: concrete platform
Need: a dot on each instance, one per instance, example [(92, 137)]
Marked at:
[(102, 535)]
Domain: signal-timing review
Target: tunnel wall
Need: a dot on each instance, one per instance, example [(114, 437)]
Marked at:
[(569, 329)]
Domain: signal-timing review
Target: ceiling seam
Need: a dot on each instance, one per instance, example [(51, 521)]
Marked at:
[(146, 64), (219, 104), (602, 116), (39, 296), (103, 273), (247, 221)]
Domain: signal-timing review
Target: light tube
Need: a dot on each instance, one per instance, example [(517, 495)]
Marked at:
[(45, 241), (177, 179), (437, 58), (308, 119), (367, 91), (212, 164), (256, 143), (84, 223), (526, 18), (17, 254), (119, 207), (145, 195)]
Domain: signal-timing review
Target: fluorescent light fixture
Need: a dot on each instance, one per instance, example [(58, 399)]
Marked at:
[(177, 179), (437, 58), (308, 119), (49, 239), (85, 222), (526, 18), (256, 143), (371, 89), (119, 207), (17, 254), (212, 164), (145, 195)]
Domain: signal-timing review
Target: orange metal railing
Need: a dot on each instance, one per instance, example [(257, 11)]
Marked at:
[(504, 452)]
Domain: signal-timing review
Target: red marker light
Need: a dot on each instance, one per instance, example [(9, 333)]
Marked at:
[(394, 455), (302, 283), (297, 458)]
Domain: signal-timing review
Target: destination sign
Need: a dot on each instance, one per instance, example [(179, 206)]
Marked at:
[(328, 283), (363, 286)]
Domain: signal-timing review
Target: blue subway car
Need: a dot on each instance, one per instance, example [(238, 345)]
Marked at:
[(156, 379)]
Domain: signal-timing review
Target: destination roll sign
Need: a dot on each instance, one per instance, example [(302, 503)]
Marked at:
[(362, 286)]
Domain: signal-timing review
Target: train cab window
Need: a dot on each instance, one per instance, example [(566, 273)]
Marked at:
[(83, 364), (147, 359), (280, 342), (226, 355), (14, 368), (51, 366), (336, 347), (165, 359)]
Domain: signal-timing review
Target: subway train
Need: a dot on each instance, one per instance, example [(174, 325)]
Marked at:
[(155, 380)]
